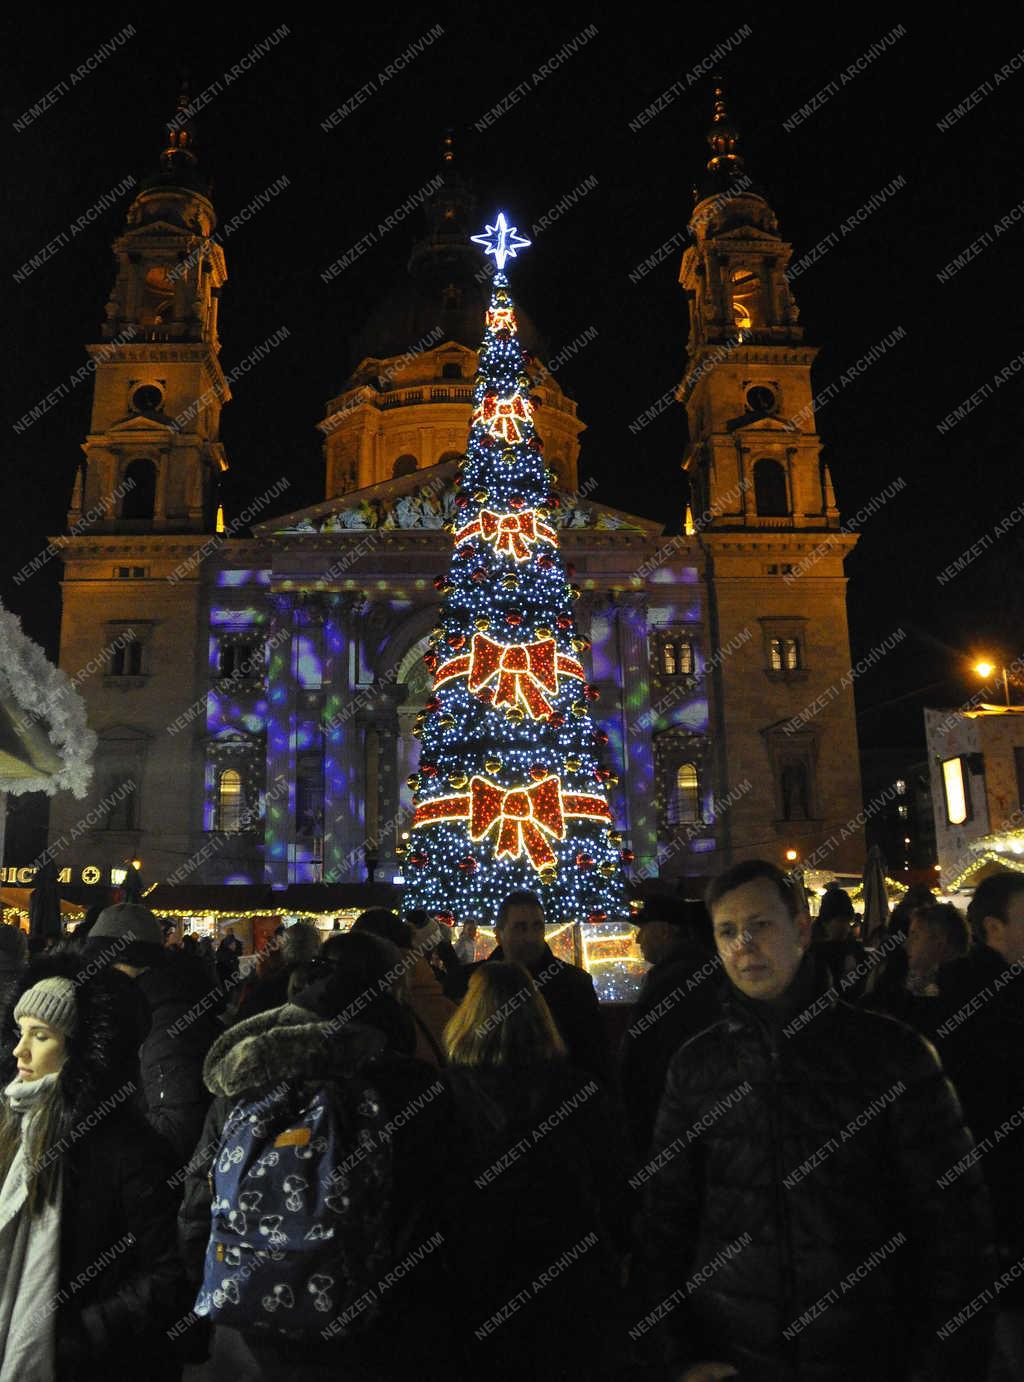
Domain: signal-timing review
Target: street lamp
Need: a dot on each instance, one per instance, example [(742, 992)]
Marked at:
[(985, 670), (791, 856)]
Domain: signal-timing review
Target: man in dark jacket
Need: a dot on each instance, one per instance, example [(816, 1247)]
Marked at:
[(181, 1006), (567, 989), (678, 999), (981, 1038), (794, 1223)]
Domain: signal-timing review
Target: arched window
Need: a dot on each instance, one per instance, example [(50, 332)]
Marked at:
[(784, 654), (677, 657), (230, 800), (684, 802), (745, 287), (405, 465), (770, 495), (139, 490)]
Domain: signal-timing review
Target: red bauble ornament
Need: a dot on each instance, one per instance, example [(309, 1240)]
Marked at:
[(428, 769), (430, 661), (486, 695), (440, 582), (535, 444), (592, 693), (487, 440), (602, 774), (456, 640), (468, 864), (418, 860), (433, 704), (538, 772), (480, 574), (517, 501), (553, 501), (584, 861), (596, 918), (445, 918), (628, 857), (465, 551), (564, 621), (556, 721), (513, 617), (461, 500), (599, 736)]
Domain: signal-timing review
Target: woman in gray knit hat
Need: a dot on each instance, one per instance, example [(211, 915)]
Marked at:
[(89, 1273)]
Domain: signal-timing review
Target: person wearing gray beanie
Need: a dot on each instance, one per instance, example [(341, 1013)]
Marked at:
[(80, 1171)]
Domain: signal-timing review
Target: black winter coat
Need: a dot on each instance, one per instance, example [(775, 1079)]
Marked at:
[(794, 1224), (544, 1188), (982, 1045), (679, 998), (183, 1007), (120, 1270), (569, 993)]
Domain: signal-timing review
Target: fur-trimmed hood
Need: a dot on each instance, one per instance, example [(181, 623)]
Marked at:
[(287, 1043)]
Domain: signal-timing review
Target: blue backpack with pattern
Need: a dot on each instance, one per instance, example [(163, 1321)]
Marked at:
[(301, 1214)]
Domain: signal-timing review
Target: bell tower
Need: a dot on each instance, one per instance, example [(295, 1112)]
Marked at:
[(765, 514), (153, 454)]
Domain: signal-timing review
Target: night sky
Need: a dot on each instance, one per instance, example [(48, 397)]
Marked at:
[(572, 126)]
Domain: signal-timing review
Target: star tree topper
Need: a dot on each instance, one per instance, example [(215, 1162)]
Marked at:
[(501, 240)]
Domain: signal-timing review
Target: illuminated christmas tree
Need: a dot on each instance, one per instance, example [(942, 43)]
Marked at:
[(510, 792)]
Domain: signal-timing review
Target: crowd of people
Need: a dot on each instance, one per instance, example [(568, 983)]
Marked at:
[(374, 1157)]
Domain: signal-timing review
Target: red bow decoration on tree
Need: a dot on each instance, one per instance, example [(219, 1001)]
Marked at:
[(525, 816), (511, 533), (522, 815), (502, 416), (524, 671)]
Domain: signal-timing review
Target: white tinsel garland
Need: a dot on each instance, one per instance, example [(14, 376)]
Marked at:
[(45, 696)]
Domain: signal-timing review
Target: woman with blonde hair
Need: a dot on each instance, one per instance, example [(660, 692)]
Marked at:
[(545, 1182)]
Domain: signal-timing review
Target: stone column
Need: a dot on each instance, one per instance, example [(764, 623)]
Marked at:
[(279, 825), (636, 795), (344, 806)]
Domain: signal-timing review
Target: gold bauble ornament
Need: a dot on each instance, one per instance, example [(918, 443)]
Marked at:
[(446, 721), (579, 709), (548, 875), (573, 765), (510, 582), (483, 623), (492, 765), (458, 781), (542, 631), (514, 714), (609, 870)]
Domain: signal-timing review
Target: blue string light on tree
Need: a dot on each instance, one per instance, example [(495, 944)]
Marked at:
[(510, 791)]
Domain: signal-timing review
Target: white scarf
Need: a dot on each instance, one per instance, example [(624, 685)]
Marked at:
[(29, 1258)]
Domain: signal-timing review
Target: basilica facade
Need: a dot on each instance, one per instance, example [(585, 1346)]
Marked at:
[(257, 711)]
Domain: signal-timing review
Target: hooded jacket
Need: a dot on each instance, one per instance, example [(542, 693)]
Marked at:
[(183, 1007), (295, 1044), (794, 1223), (121, 1285)]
